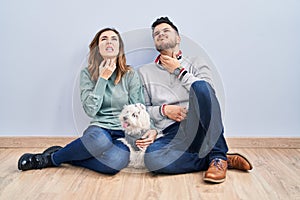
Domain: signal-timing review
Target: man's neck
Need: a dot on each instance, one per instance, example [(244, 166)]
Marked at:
[(169, 52)]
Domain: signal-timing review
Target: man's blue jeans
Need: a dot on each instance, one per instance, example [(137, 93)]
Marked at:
[(192, 144), (98, 149)]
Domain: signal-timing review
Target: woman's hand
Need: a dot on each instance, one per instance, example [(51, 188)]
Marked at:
[(176, 113), (107, 68), (147, 139)]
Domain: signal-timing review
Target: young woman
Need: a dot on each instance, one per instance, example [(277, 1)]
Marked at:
[(106, 85)]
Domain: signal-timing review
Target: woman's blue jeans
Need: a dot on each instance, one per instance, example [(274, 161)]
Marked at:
[(192, 144), (98, 149)]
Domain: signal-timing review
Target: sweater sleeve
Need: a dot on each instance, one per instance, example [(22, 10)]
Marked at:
[(198, 70), (91, 93)]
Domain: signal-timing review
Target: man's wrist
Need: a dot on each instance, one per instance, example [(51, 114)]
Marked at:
[(178, 70)]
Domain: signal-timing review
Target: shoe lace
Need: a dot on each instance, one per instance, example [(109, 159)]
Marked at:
[(217, 163)]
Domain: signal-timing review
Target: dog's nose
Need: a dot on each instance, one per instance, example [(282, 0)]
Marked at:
[(125, 117)]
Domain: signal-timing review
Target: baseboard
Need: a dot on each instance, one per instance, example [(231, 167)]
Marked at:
[(33, 141), (42, 142), (281, 143)]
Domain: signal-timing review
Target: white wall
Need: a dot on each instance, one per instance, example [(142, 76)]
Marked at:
[(254, 44)]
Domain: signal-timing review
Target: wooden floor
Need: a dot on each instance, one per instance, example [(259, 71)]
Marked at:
[(276, 175)]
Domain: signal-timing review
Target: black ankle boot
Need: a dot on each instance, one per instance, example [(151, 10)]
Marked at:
[(37, 161), (34, 161), (51, 150)]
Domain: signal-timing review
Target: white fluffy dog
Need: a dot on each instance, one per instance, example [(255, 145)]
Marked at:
[(135, 121)]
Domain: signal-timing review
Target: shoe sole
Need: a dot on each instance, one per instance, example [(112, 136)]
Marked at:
[(210, 180), (237, 154)]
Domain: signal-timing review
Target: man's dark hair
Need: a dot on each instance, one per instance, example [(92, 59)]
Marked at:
[(164, 20)]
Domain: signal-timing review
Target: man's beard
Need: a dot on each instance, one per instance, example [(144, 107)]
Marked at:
[(166, 46)]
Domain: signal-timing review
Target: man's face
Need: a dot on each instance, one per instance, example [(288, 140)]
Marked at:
[(165, 37)]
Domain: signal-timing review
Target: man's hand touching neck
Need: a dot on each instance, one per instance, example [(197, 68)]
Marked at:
[(168, 59)]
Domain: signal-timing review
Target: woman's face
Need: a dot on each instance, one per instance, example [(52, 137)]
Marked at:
[(108, 45)]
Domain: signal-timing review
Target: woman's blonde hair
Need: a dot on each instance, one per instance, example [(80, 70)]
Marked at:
[(95, 58)]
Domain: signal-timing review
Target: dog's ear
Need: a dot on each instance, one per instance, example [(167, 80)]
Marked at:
[(145, 119)]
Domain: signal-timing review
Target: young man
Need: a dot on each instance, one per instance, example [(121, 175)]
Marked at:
[(181, 100)]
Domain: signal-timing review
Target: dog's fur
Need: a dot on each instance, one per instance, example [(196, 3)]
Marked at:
[(135, 122)]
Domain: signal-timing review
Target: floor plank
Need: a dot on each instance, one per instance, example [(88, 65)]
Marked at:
[(276, 175)]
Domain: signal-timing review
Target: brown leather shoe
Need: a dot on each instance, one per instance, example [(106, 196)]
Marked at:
[(216, 172), (237, 161)]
